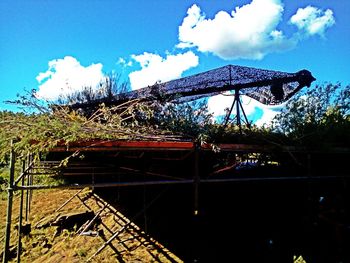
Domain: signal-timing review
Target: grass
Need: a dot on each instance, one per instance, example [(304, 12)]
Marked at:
[(43, 245), (298, 259)]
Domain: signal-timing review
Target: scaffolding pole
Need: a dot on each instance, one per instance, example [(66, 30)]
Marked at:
[(196, 180), (9, 206), (20, 217), (27, 202)]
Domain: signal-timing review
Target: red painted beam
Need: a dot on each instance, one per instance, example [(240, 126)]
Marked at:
[(100, 145)]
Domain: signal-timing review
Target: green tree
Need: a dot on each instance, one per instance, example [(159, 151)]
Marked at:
[(318, 115)]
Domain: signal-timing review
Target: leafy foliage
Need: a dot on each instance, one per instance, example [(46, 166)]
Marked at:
[(319, 115), (38, 132), (188, 119)]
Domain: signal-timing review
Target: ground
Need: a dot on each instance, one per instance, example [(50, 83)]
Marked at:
[(47, 245)]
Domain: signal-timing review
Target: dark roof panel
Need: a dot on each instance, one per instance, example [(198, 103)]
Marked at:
[(267, 86)]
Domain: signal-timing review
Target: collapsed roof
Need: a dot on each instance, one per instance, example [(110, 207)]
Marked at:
[(266, 86)]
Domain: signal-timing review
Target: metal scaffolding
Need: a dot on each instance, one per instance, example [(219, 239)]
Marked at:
[(193, 154)]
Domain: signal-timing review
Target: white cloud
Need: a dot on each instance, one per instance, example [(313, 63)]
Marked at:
[(313, 20), (124, 63), (266, 118), (154, 68), (248, 32), (217, 105), (66, 76)]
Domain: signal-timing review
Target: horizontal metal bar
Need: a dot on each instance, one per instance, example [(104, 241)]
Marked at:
[(116, 149), (43, 173), (86, 167), (280, 178), (187, 181), (87, 173), (120, 184)]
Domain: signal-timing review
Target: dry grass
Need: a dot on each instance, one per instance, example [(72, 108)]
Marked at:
[(299, 259), (43, 245)]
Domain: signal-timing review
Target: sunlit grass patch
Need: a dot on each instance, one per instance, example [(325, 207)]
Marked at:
[(298, 259)]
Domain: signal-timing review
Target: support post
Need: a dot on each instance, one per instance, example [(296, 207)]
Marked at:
[(19, 243), (238, 113), (27, 192), (196, 225), (30, 192), (239, 109), (196, 179), (9, 206)]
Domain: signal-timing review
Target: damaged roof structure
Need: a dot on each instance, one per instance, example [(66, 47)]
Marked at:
[(266, 86)]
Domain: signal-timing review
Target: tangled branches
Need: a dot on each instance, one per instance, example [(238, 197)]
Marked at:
[(39, 132)]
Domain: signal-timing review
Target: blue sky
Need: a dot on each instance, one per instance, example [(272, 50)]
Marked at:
[(161, 40)]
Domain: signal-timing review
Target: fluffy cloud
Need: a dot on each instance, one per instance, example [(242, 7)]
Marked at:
[(154, 68), (312, 20), (268, 115), (250, 31), (218, 104), (66, 76)]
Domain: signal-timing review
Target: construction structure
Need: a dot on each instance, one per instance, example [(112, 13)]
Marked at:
[(200, 180), (133, 167)]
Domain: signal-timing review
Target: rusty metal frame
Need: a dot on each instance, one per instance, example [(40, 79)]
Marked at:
[(191, 150)]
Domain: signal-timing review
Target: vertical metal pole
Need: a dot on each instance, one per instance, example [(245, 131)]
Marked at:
[(238, 114), (196, 227), (30, 192), (9, 206), (27, 193), (19, 245), (196, 179)]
